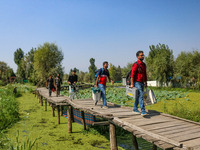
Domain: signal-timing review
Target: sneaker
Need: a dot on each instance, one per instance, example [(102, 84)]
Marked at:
[(136, 111), (95, 103), (105, 107), (143, 113)]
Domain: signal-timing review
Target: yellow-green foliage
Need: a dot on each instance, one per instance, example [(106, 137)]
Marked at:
[(186, 107)]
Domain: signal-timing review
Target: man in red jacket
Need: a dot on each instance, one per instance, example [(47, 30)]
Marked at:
[(139, 80)]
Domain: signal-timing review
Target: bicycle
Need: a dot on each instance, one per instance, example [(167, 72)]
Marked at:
[(74, 92)]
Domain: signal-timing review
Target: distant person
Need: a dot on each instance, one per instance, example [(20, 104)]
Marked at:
[(49, 84), (101, 80), (139, 80), (73, 78), (58, 84)]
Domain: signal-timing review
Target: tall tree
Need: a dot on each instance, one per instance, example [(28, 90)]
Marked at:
[(18, 55), (92, 68), (160, 63), (126, 69), (118, 76), (5, 72), (187, 69), (47, 60), (112, 71)]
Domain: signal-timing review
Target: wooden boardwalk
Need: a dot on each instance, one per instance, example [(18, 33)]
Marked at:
[(163, 130)]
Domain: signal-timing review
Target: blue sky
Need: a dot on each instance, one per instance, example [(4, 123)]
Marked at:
[(111, 30)]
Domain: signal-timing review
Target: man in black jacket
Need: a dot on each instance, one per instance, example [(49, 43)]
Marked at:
[(73, 78)]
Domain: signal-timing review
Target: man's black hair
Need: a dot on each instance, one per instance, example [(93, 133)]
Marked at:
[(74, 71), (138, 53), (105, 62)]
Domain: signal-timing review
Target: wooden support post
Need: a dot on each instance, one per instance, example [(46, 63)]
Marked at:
[(154, 147), (53, 113), (41, 100), (61, 110), (72, 111), (113, 139), (69, 115), (83, 120), (58, 113), (45, 105), (38, 97), (135, 143)]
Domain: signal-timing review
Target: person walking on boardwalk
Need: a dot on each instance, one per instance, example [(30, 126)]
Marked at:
[(49, 84), (101, 80), (73, 79), (58, 84), (139, 80)]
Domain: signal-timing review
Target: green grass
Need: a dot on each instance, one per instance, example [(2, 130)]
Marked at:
[(36, 123)]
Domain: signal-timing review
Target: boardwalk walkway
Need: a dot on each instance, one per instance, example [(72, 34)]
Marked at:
[(163, 130)]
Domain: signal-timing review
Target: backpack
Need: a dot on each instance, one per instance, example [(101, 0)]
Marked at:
[(128, 76), (96, 74)]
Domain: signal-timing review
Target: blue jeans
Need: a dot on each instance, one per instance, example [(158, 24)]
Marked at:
[(103, 93), (139, 99)]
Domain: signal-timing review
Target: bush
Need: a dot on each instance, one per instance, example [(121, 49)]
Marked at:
[(9, 107)]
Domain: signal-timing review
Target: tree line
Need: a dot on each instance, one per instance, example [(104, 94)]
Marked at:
[(46, 59)]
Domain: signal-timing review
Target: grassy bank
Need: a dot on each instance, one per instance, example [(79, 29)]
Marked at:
[(9, 107), (36, 123)]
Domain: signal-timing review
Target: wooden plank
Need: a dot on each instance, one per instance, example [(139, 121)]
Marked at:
[(164, 145), (192, 143), (152, 127), (103, 123), (177, 131), (146, 122), (178, 118), (185, 133), (174, 128), (189, 137), (150, 133)]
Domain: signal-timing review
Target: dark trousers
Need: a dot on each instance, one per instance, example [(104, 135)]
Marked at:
[(57, 91)]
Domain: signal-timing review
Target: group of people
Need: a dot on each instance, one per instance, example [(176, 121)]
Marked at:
[(138, 80), (54, 84), (57, 82)]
